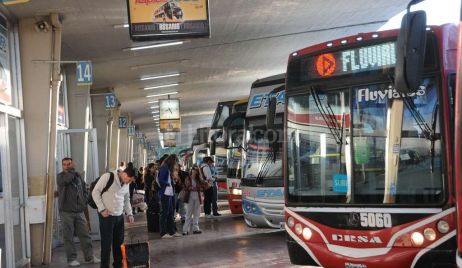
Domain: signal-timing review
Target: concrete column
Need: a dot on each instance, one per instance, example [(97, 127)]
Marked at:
[(123, 142), (114, 146), (79, 117), (36, 79), (99, 121)]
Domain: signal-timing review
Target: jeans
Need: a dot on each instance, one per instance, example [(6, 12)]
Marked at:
[(75, 223), (193, 212), (167, 225), (112, 233), (210, 200)]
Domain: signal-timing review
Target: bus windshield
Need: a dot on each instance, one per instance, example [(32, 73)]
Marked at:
[(222, 112), (261, 169), (365, 145)]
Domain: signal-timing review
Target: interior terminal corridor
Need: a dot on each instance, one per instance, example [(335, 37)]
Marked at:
[(217, 133)]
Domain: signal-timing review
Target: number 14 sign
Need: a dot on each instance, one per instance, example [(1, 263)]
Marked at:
[(84, 73)]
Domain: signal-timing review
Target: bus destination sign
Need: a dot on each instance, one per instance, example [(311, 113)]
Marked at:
[(350, 61)]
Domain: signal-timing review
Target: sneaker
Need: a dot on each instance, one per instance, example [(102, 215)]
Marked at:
[(197, 232), (176, 235), (165, 236), (185, 233), (94, 260), (208, 216), (74, 263), (216, 214)]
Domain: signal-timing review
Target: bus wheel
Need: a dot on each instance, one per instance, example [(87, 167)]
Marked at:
[(297, 254)]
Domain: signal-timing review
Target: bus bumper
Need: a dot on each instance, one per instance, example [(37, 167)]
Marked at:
[(316, 254), (262, 214)]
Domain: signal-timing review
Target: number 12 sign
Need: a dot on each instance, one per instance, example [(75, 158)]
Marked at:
[(84, 73)]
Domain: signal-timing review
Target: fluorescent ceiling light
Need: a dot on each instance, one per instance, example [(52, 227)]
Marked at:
[(166, 44), (151, 65), (161, 86), (154, 107), (162, 94), (159, 76), (155, 112), (154, 101)]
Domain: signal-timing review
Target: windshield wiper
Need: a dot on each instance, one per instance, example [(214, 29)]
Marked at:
[(328, 117), (264, 169)]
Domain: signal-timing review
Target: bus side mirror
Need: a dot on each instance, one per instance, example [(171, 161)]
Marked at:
[(226, 137), (213, 144), (410, 54), (271, 113)]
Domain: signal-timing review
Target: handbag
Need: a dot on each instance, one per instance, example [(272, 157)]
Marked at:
[(135, 255), (169, 188), (184, 196)]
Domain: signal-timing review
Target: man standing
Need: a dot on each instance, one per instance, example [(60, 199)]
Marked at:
[(111, 205), (72, 202), (211, 194)]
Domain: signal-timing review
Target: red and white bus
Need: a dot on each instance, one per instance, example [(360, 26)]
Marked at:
[(368, 169)]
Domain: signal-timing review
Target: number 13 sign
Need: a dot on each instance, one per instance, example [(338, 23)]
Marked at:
[(84, 73)]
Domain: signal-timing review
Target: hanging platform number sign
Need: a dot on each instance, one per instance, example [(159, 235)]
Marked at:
[(84, 73), (123, 122), (110, 101), (131, 131)]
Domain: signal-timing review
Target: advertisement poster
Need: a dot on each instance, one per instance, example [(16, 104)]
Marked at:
[(168, 19), (5, 79), (173, 125)]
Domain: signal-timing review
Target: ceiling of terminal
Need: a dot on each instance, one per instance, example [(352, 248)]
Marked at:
[(250, 39)]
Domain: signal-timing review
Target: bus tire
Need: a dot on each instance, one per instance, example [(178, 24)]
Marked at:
[(297, 254)]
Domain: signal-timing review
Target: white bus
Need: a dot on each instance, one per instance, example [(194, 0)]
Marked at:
[(262, 183)]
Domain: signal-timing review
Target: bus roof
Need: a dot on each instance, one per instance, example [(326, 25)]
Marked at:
[(355, 39), (270, 80)]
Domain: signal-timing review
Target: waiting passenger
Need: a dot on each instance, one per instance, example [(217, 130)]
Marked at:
[(111, 205), (193, 184), (211, 194), (72, 202), (167, 198)]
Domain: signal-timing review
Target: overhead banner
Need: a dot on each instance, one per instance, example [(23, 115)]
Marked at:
[(168, 19)]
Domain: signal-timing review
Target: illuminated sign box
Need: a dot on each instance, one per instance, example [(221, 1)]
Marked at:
[(348, 62), (170, 125), (169, 143), (168, 19)]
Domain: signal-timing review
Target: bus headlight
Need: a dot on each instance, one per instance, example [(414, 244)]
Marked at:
[(429, 234), (417, 239), (291, 222), (307, 233), (298, 228), (443, 226), (235, 191)]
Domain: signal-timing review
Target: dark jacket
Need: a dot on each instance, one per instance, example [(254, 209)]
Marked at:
[(73, 192), (164, 172)]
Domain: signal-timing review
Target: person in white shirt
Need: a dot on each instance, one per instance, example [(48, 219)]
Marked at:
[(111, 205), (211, 194)]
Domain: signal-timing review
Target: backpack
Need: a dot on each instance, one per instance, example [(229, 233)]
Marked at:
[(91, 202)]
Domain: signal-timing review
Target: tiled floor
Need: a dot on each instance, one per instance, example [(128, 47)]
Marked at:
[(226, 241)]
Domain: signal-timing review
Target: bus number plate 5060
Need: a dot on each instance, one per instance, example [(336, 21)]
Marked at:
[(375, 220)]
